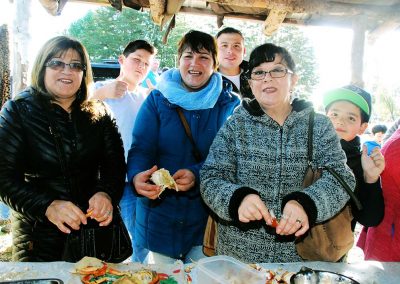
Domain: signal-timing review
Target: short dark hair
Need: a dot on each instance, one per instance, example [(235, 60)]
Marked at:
[(139, 44), (196, 40), (267, 53), (229, 30), (379, 128)]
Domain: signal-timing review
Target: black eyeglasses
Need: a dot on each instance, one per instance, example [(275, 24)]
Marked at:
[(274, 73), (59, 65)]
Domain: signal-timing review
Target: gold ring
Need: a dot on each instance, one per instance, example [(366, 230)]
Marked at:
[(298, 221), (109, 213)]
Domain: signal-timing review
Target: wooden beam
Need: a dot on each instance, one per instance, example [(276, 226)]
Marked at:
[(290, 5), (173, 7), (389, 25), (232, 15), (157, 9), (357, 52), (20, 45), (275, 18), (5, 80)]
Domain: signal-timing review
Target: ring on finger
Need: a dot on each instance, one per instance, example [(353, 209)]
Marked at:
[(298, 221), (109, 213)]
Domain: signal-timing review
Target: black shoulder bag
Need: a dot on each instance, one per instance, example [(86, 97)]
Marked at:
[(110, 243), (332, 239), (210, 234)]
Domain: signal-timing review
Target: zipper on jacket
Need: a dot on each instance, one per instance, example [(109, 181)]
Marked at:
[(72, 129), (280, 171)]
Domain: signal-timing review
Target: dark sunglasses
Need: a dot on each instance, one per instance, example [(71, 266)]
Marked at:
[(59, 65)]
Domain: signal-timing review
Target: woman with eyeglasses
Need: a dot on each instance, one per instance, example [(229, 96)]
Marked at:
[(62, 156), (257, 162)]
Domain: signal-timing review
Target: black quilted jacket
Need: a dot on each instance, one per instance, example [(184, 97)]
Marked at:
[(30, 172)]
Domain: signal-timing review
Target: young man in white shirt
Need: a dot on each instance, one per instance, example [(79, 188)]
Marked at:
[(124, 96), (232, 65)]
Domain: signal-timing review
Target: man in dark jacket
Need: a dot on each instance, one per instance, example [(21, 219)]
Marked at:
[(232, 67)]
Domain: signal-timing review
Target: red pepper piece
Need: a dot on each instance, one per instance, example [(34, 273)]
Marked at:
[(162, 276)]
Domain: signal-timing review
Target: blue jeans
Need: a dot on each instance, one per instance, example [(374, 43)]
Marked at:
[(4, 211), (194, 255), (128, 213)]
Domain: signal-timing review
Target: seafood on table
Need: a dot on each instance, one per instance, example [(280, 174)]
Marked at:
[(95, 271)]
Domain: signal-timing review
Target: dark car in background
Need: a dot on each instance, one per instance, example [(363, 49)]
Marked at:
[(106, 69)]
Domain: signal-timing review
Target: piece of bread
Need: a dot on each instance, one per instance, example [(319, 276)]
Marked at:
[(163, 178)]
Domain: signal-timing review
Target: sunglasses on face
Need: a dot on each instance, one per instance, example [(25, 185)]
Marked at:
[(59, 65)]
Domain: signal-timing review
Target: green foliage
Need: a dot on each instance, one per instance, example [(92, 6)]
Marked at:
[(105, 32)]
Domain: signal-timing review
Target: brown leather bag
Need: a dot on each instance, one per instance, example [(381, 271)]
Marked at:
[(332, 239), (210, 237)]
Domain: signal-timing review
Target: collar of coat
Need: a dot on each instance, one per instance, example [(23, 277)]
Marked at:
[(254, 108)]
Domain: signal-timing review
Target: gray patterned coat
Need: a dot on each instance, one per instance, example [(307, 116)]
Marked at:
[(254, 154)]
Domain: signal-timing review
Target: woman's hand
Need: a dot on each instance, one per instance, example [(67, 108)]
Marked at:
[(62, 213), (140, 182), (294, 220), (185, 179), (100, 208), (253, 208)]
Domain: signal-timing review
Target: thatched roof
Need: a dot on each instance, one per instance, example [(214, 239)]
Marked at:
[(376, 16)]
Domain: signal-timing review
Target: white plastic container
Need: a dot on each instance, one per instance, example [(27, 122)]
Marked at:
[(227, 270)]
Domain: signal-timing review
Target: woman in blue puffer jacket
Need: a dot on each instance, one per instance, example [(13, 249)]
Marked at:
[(171, 225)]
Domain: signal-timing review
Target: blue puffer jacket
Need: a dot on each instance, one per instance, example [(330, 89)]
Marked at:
[(175, 223)]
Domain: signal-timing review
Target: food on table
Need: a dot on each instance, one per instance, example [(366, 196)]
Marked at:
[(163, 178), (274, 219), (89, 213), (95, 271), (281, 276)]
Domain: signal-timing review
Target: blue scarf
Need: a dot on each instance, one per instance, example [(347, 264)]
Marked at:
[(171, 86)]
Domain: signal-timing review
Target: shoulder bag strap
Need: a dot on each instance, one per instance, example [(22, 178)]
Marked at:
[(310, 137), (353, 197), (196, 152)]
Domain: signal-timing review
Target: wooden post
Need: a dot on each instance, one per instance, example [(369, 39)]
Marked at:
[(20, 45), (4, 65), (357, 52)]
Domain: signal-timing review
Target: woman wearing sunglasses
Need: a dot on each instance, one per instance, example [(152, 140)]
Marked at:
[(257, 162), (62, 155)]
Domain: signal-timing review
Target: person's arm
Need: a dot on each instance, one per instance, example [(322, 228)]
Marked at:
[(142, 155), (112, 90), (218, 186), (112, 163), (368, 189), (21, 196), (326, 194)]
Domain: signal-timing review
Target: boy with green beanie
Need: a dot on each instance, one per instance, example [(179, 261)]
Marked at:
[(349, 109)]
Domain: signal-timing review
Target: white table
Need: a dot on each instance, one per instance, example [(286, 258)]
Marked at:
[(365, 272)]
